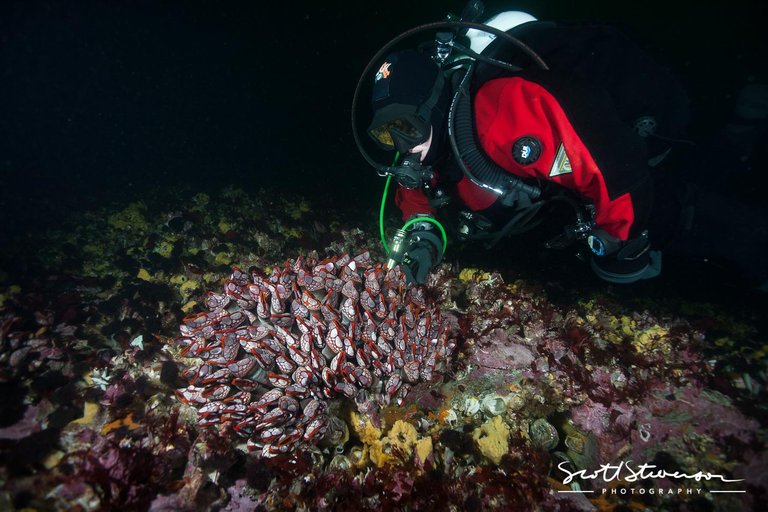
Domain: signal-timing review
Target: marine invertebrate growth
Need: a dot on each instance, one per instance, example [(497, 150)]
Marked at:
[(272, 349)]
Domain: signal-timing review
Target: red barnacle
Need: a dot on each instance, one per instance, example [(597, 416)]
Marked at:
[(378, 368), (285, 364), (191, 395), (309, 301), (302, 324), (252, 319), (264, 357), (370, 329), (383, 347), (338, 361), (249, 346), (349, 345), (272, 345), (411, 371), (297, 355), (297, 265), (333, 339), (239, 277), (398, 358), (423, 326), (275, 301), (243, 397), (233, 409), (222, 375), (333, 284), (381, 310), (186, 332), (190, 346), (349, 309), (372, 276), (346, 389), (278, 380), (254, 290), (308, 282), (285, 336), (270, 434), (343, 260), (363, 260), (232, 320), (297, 391), (362, 376), (329, 377), (268, 451), (284, 289), (282, 319), (216, 300), (211, 409), (395, 278), (273, 417), (417, 297), (326, 265), (258, 332), (347, 372), (245, 384), (288, 404), (196, 372), (290, 437), (349, 290), (271, 396), (217, 392), (316, 360), (242, 367), (329, 313), (299, 310), (209, 421), (198, 320), (302, 376), (285, 277), (393, 298), (349, 273), (245, 427), (392, 385), (401, 335), (387, 328), (425, 371), (229, 347), (313, 408), (367, 302), (262, 305), (305, 342), (315, 428), (360, 356), (410, 314)]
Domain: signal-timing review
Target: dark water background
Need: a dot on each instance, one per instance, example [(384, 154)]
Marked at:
[(104, 101)]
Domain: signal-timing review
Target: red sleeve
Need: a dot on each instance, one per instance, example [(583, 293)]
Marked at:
[(508, 110), (412, 201)]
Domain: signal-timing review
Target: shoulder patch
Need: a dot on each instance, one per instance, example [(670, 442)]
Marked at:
[(561, 165), (526, 150)]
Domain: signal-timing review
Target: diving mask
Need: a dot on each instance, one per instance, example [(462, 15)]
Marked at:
[(399, 127)]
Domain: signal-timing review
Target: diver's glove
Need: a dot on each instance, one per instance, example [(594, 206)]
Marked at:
[(620, 261), (423, 251)]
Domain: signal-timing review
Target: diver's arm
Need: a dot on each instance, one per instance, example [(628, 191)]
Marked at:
[(412, 202)]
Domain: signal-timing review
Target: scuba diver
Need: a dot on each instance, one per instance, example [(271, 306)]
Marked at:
[(507, 118)]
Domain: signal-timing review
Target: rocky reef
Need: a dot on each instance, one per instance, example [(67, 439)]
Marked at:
[(552, 399)]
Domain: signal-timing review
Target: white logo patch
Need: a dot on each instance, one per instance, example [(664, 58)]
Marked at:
[(561, 164)]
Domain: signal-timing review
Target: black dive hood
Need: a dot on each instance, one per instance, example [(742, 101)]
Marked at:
[(484, 172)]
